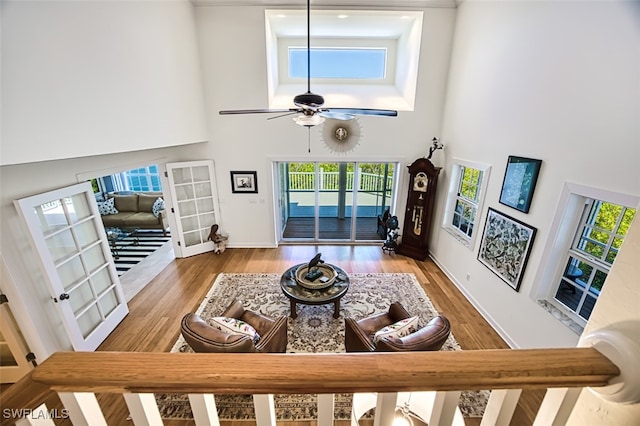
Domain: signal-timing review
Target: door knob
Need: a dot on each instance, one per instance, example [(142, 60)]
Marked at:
[(63, 296)]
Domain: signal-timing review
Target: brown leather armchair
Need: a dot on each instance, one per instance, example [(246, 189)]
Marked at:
[(204, 338), (359, 334)]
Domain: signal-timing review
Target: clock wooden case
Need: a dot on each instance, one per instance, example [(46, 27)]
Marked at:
[(423, 179)]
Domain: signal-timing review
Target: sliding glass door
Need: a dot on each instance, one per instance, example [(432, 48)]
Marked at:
[(341, 201)]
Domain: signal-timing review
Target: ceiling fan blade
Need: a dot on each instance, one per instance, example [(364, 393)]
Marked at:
[(257, 111), (364, 111), (336, 115), (283, 115)]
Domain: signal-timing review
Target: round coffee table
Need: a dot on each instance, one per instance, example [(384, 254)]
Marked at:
[(299, 294)]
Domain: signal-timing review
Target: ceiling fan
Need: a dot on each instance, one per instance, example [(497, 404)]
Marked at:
[(309, 105)]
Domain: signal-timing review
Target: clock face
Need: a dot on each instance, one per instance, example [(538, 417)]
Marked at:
[(420, 182)]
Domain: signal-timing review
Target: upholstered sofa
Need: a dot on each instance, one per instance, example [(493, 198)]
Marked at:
[(137, 210)]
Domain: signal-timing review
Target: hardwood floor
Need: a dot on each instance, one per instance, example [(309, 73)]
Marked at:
[(153, 322)]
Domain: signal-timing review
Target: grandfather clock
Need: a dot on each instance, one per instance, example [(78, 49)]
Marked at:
[(423, 178)]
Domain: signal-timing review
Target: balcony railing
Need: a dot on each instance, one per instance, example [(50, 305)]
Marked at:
[(77, 376), (329, 181)]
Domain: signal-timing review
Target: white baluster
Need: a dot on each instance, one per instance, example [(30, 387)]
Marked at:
[(556, 406), (83, 408), (385, 408), (325, 409), (204, 409), (444, 409), (502, 403), (265, 410), (143, 409)]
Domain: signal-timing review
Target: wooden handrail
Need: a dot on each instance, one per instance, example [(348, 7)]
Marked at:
[(140, 372)]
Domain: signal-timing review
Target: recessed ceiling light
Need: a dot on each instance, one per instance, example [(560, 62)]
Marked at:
[(343, 16)]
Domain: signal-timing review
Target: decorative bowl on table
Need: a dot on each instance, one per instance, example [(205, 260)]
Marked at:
[(327, 279)]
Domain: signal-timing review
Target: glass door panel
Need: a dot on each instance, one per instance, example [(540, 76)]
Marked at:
[(300, 201), (192, 185), (334, 201), (67, 233), (373, 198)]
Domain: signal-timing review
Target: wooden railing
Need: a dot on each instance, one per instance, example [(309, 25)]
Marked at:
[(76, 376)]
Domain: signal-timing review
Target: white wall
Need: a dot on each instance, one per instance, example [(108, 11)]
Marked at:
[(88, 78), (232, 46), (556, 81)]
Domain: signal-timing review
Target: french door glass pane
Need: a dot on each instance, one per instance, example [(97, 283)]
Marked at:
[(108, 302), (61, 245), (51, 216), (77, 207), (86, 233), (101, 281), (71, 272), (80, 298), (89, 320)]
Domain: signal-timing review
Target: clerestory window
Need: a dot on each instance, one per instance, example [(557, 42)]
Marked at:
[(339, 62), (359, 59)]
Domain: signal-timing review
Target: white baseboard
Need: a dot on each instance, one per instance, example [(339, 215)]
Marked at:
[(505, 336)]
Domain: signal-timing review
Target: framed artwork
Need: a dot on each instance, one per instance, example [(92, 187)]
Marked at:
[(519, 182), (246, 182), (505, 247)]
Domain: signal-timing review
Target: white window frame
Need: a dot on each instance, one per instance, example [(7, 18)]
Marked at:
[(568, 221), (400, 30), (457, 168)]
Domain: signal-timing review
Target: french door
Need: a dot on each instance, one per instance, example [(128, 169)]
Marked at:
[(194, 206), (326, 201), (78, 270)]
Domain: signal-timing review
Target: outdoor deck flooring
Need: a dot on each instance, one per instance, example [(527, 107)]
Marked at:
[(331, 228)]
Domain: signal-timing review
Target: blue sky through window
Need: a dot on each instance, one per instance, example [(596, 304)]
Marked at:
[(338, 63)]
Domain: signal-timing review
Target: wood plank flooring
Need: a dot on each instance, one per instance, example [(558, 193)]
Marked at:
[(153, 322)]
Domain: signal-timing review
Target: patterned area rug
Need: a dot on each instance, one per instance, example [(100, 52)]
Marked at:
[(315, 330), (132, 250)]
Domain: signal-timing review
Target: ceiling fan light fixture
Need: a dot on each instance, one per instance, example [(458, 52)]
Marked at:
[(308, 120)]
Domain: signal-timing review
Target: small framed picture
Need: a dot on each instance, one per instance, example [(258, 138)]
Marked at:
[(505, 247), (519, 182), (246, 182)]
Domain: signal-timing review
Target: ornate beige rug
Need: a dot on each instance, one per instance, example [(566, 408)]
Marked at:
[(315, 330)]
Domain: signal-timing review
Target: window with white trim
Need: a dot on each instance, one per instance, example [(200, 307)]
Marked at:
[(597, 240), (466, 195), (587, 231), (142, 179), (352, 43)]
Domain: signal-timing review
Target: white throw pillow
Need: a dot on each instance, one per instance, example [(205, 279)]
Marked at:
[(399, 329), (233, 325), (158, 205), (107, 207)]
